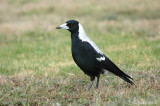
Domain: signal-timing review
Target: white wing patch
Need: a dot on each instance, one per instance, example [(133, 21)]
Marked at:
[(83, 36), (100, 59)]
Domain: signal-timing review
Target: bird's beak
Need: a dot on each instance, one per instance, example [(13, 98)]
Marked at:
[(63, 26)]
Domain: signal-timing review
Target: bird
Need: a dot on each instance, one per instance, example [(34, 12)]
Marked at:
[(90, 59)]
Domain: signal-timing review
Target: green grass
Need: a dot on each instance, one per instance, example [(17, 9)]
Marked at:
[(36, 66)]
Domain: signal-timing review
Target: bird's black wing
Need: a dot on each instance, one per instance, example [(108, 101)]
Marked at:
[(110, 66), (85, 56)]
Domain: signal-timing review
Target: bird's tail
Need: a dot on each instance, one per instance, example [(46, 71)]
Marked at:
[(127, 79), (110, 66)]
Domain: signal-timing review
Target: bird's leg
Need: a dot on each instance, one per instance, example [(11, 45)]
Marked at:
[(92, 80), (97, 82)]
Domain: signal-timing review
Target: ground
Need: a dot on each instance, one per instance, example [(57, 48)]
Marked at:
[(36, 66)]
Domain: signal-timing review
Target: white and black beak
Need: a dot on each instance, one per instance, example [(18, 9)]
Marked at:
[(63, 26)]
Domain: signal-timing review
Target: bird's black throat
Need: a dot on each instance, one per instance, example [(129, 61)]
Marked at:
[(74, 34)]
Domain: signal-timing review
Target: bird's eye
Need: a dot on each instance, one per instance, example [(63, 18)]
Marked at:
[(71, 25)]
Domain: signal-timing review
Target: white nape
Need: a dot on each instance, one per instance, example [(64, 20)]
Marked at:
[(83, 36)]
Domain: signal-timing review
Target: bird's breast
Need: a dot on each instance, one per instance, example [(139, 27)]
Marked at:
[(77, 48)]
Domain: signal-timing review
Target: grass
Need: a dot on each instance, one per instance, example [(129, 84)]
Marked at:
[(36, 66)]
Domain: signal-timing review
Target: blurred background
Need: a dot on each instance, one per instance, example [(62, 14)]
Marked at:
[(127, 16), (33, 52)]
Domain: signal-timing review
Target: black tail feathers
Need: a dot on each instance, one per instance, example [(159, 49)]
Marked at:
[(110, 66), (127, 79)]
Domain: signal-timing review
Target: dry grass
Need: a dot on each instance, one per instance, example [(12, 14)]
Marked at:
[(73, 90), (36, 67)]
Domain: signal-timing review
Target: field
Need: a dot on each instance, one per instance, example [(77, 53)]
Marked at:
[(36, 66)]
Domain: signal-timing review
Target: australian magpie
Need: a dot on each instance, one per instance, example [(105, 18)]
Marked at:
[(88, 56)]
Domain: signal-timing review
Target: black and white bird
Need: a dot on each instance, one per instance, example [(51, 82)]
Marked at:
[(88, 56)]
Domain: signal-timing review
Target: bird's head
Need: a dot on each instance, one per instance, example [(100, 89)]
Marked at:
[(71, 25)]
